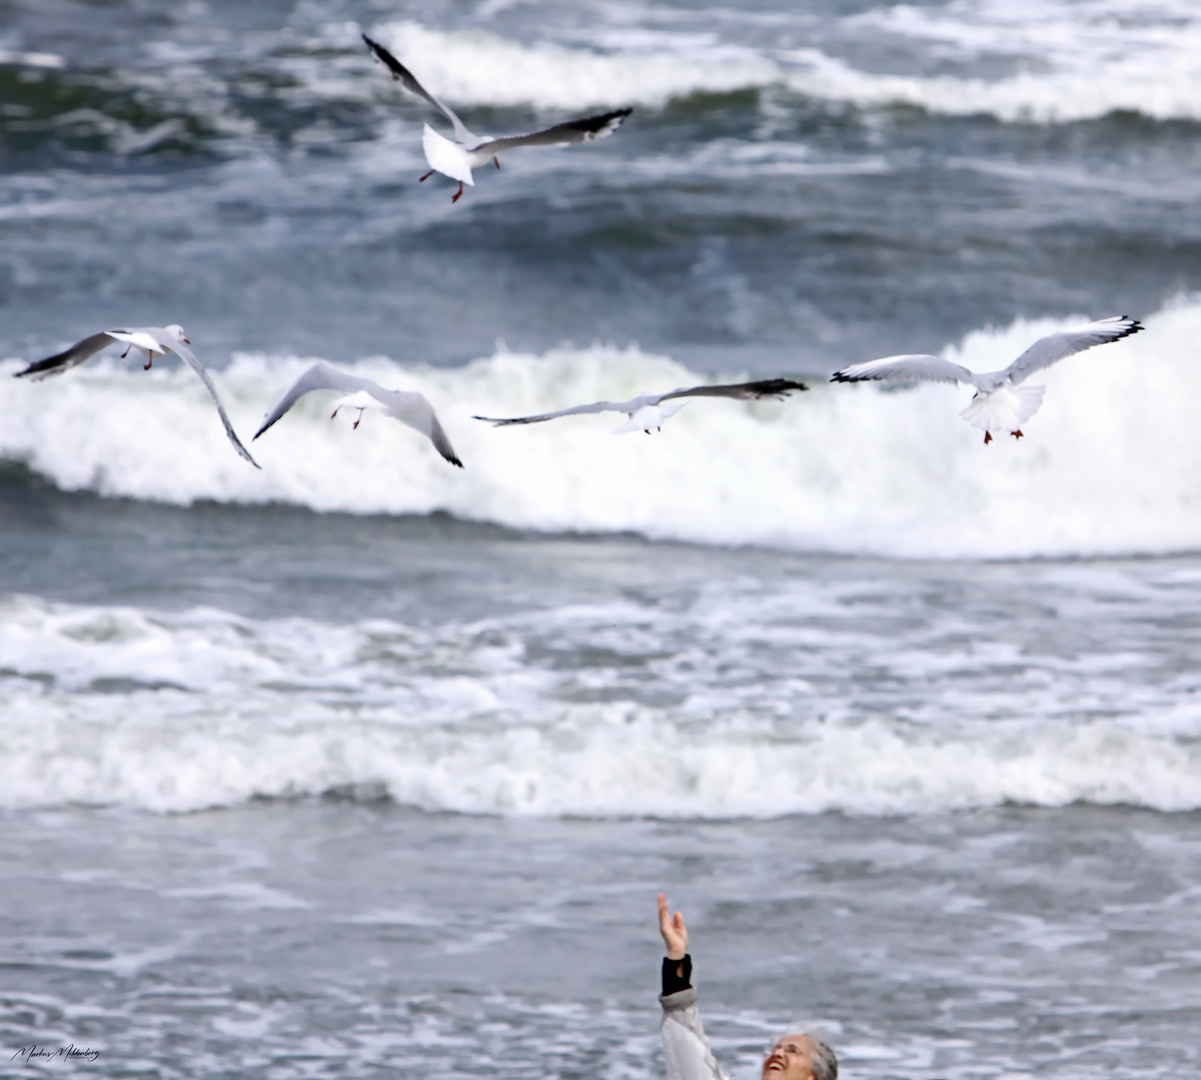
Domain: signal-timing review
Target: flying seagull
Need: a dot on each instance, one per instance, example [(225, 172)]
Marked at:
[(1000, 402), (646, 411), (407, 406), (151, 341), (456, 158)]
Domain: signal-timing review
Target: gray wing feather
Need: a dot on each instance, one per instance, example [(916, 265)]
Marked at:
[(915, 367), (321, 376), (408, 406), (189, 358), (571, 131), (413, 408), (68, 358), (595, 407), (743, 391), (1055, 347), (758, 389), (409, 81), (440, 441)]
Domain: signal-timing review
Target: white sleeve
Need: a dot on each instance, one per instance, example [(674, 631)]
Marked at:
[(685, 1045)]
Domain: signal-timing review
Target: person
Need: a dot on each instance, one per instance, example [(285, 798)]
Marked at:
[(797, 1055)]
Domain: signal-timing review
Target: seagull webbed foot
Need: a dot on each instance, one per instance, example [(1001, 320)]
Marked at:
[(149, 363), (458, 194), (1017, 434), (987, 437), (423, 179)]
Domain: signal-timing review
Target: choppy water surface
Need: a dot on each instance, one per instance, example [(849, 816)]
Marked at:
[(365, 765), (805, 187), (326, 939)]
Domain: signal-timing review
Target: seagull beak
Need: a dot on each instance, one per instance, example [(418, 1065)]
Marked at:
[(187, 341)]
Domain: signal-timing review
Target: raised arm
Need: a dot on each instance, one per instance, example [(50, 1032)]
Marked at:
[(686, 1051)]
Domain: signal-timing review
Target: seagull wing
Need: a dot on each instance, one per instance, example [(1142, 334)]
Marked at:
[(572, 131), (916, 367), (410, 83), (743, 391), (68, 358), (321, 376), (189, 358), (407, 406), (414, 409), (1055, 347), (630, 406)]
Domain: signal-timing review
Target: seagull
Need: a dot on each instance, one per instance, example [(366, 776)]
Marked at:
[(646, 411), (456, 158), (151, 341), (407, 406), (999, 402)]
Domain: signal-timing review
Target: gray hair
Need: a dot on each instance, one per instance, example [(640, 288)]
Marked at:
[(823, 1061)]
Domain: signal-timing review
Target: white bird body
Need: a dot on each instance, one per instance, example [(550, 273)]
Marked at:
[(410, 407), (1000, 403), (457, 157), (647, 417), (152, 342), (646, 411), (449, 158), (145, 342)]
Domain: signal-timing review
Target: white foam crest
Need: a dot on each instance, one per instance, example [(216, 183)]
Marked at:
[(478, 68), (293, 707), (1107, 466), (1072, 61), (1054, 62)]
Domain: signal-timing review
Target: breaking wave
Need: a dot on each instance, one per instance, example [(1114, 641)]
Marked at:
[(168, 713), (1045, 62), (1108, 465)]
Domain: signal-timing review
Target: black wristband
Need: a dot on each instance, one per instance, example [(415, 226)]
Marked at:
[(677, 974)]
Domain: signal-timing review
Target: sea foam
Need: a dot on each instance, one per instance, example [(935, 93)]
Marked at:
[(1048, 61), (177, 712), (1108, 465)]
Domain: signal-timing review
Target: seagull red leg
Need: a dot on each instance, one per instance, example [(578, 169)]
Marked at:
[(496, 161), (423, 179), (458, 194)]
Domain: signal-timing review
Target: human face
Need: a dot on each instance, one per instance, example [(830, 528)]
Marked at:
[(789, 1059)]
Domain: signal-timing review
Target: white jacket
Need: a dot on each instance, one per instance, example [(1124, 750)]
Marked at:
[(685, 1044)]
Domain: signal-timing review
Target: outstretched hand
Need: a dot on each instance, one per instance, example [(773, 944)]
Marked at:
[(675, 933)]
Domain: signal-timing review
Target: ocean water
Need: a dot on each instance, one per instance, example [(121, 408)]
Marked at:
[(365, 765)]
